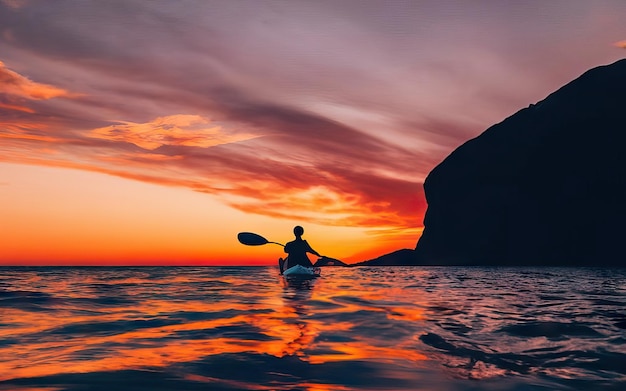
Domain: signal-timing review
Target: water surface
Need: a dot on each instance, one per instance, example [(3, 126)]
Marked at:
[(246, 328)]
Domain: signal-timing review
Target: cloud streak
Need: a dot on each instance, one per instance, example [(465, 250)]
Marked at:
[(12, 83), (14, 4), (303, 162), (184, 130)]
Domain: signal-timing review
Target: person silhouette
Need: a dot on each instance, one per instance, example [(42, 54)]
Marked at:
[(297, 250)]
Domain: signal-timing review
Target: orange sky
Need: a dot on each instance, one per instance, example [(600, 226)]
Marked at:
[(67, 216), (143, 133)]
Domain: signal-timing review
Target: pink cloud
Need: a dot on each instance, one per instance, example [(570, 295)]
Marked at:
[(14, 4), (17, 107), (12, 83)]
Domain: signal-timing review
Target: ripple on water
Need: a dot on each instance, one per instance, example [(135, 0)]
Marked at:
[(353, 329), (549, 330)]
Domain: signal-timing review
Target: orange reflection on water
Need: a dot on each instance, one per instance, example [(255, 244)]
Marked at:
[(105, 322), (58, 359), (360, 351), (411, 314), (32, 388), (323, 387)]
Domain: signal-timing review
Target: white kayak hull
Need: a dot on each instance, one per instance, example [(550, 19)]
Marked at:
[(302, 272)]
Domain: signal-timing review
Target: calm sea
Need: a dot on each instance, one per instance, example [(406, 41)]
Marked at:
[(246, 328)]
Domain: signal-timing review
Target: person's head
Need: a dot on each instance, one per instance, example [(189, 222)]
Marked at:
[(298, 231)]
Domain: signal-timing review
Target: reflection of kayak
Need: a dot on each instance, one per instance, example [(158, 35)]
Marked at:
[(302, 272)]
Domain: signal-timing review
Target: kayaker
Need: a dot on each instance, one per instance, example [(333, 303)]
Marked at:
[(297, 250)]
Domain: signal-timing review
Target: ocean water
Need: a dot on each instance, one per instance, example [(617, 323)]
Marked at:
[(246, 328)]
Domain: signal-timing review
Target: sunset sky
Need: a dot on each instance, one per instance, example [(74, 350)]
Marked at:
[(152, 132)]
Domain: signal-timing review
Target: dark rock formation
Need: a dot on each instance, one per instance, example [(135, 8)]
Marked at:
[(404, 257), (547, 186)]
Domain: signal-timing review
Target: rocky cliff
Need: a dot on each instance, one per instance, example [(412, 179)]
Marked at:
[(547, 186), (403, 257)]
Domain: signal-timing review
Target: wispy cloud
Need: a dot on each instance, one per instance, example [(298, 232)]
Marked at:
[(12, 83), (294, 165), (251, 175), (10, 106), (620, 44), (14, 4), (183, 130)]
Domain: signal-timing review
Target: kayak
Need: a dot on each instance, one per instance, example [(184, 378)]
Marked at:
[(302, 272)]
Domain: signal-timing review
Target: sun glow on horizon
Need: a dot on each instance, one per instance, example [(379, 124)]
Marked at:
[(70, 217)]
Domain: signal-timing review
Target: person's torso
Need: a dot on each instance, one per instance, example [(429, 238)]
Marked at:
[(297, 252)]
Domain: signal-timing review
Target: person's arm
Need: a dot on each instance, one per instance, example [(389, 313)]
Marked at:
[(309, 249)]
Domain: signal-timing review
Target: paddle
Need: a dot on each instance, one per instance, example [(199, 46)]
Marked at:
[(252, 239)]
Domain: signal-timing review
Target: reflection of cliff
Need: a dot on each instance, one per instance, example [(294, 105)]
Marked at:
[(547, 186)]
